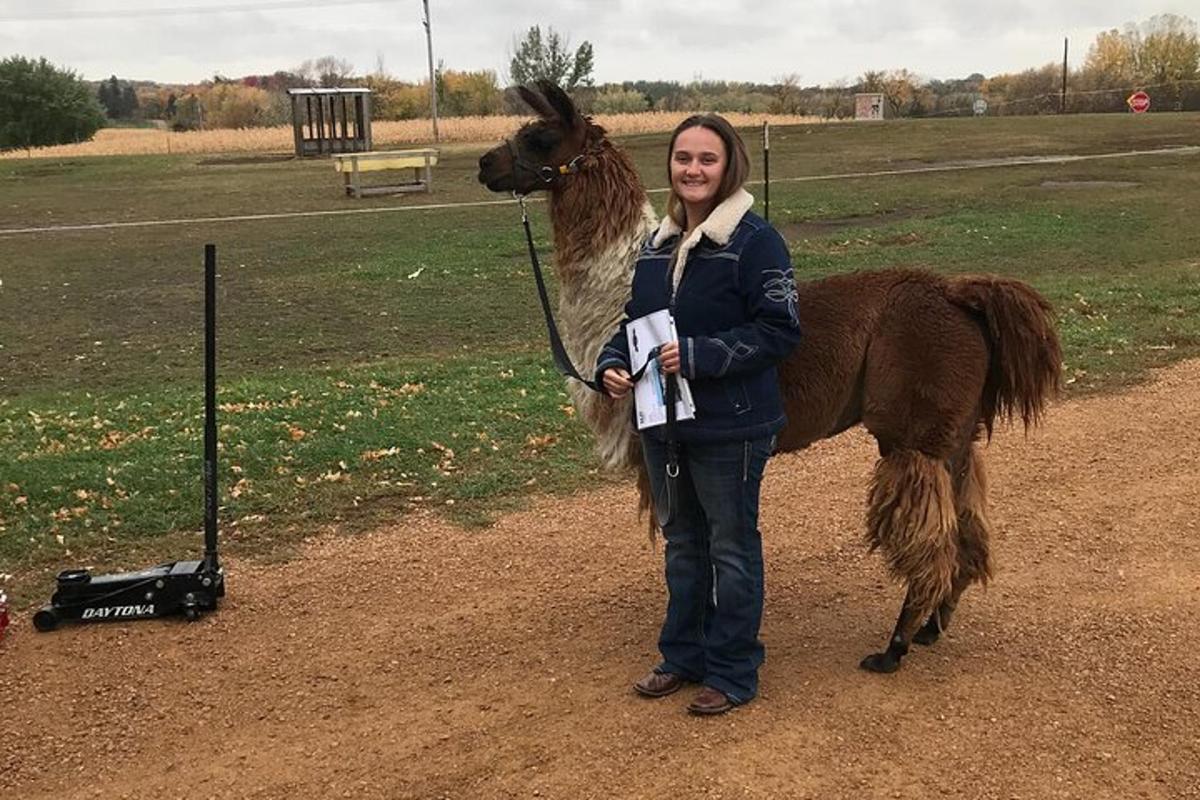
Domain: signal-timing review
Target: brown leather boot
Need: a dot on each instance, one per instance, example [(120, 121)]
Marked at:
[(710, 701), (659, 684)]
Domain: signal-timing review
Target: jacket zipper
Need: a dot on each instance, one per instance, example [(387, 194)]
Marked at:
[(671, 284), (672, 290)]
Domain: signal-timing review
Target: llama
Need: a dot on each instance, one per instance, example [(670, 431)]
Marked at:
[(925, 363)]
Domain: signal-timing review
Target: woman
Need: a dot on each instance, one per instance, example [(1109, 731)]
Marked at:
[(726, 276)]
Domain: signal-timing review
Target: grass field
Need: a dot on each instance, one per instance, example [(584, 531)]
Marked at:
[(374, 364)]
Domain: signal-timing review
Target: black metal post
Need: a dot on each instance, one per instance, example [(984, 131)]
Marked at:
[(1062, 98), (210, 407), (767, 171)]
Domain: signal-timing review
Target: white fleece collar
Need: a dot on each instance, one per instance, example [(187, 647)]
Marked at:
[(719, 226)]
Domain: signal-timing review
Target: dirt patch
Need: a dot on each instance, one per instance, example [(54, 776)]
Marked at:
[(262, 158), (42, 170), (428, 661), (817, 227)]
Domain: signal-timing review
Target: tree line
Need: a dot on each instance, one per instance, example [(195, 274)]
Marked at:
[(43, 104)]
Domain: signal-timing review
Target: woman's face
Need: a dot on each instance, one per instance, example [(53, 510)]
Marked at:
[(697, 166)]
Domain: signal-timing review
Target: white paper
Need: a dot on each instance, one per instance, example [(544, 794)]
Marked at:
[(649, 393)]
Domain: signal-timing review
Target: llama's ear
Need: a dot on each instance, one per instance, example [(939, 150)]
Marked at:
[(537, 103), (562, 103)]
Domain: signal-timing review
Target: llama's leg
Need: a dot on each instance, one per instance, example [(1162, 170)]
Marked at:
[(974, 534), (911, 519), (906, 623), (939, 620)]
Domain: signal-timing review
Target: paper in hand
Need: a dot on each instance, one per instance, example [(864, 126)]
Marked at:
[(645, 335)]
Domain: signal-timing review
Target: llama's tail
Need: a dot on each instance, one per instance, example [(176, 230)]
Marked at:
[(1026, 357)]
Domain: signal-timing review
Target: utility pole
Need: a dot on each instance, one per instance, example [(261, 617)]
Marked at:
[(432, 78), (1062, 98)]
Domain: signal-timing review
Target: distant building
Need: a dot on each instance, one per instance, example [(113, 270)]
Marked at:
[(868, 105)]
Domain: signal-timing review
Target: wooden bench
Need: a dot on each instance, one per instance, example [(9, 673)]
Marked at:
[(419, 161)]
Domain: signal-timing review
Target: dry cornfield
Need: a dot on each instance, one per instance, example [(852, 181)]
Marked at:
[(148, 141)]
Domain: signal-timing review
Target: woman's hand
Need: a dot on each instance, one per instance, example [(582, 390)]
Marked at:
[(668, 358), (616, 382)]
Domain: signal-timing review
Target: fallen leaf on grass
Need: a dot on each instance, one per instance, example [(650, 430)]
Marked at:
[(375, 455)]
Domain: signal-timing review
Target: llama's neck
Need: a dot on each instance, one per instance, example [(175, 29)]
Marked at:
[(596, 208), (601, 218)]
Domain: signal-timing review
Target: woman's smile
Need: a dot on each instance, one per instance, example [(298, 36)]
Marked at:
[(697, 167)]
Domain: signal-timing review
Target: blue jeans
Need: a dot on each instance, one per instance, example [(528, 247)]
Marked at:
[(714, 563)]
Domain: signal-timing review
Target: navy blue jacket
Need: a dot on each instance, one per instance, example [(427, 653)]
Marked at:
[(734, 305)]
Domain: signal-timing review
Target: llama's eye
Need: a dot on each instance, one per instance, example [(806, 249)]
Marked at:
[(543, 141)]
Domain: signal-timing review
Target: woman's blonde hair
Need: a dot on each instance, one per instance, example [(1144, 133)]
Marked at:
[(737, 163)]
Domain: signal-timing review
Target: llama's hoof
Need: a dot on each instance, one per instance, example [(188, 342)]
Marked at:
[(880, 662), (927, 635)]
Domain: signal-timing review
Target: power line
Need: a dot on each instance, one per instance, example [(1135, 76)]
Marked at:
[(126, 13)]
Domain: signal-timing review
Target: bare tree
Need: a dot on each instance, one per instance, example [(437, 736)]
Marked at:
[(327, 71), (788, 97)]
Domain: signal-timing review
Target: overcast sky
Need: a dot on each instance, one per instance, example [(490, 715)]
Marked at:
[(752, 40)]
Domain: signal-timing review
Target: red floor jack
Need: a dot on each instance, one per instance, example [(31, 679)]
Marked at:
[(178, 587)]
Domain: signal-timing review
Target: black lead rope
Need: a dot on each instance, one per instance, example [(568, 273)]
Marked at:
[(562, 361), (664, 513)]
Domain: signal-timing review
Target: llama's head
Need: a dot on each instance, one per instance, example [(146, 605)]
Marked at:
[(543, 152)]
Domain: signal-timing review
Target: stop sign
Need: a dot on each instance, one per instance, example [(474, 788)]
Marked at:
[(1139, 102)]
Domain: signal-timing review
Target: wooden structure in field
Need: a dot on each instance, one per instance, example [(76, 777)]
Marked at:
[(351, 165), (327, 121)]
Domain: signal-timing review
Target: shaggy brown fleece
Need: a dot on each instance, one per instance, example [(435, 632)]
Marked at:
[(912, 521)]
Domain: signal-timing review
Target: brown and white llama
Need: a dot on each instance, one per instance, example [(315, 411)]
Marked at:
[(926, 363)]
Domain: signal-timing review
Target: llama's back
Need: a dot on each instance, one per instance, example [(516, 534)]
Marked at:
[(822, 380)]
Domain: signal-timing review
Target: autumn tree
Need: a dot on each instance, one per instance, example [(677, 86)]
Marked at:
[(1161, 54), (1111, 59), (904, 92), (619, 100), (1033, 91), (1168, 50), (235, 105), (468, 94), (396, 99), (460, 93)]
